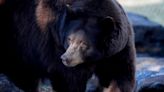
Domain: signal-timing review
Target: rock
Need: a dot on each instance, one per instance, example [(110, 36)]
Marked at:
[(6, 85), (149, 74), (151, 84), (45, 85), (149, 36)]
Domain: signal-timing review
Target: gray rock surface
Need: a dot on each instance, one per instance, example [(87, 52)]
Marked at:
[(149, 74)]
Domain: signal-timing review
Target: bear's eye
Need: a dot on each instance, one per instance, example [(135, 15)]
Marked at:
[(84, 45), (69, 40)]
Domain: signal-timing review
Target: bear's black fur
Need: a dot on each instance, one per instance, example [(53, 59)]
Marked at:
[(27, 51), (105, 24), (33, 44)]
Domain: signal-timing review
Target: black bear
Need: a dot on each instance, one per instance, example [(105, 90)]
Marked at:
[(101, 38), (67, 41)]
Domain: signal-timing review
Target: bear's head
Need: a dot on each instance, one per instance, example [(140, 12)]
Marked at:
[(82, 37)]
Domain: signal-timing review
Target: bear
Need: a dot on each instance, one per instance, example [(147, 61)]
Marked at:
[(102, 37), (67, 41)]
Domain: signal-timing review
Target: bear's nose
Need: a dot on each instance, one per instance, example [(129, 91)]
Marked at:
[(65, 59)]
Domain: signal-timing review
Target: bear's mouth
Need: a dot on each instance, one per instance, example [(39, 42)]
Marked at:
[(71, 63), (66, 63)]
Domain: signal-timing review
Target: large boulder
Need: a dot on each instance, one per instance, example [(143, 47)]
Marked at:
[(149, 36)]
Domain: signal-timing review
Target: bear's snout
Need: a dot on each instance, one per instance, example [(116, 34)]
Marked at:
[(65, 59)]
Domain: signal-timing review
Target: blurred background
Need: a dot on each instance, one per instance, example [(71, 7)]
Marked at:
[(147, 18), (153, 9)]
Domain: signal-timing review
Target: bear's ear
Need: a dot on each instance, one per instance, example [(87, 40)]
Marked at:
[(109, 36), (107, 24)]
